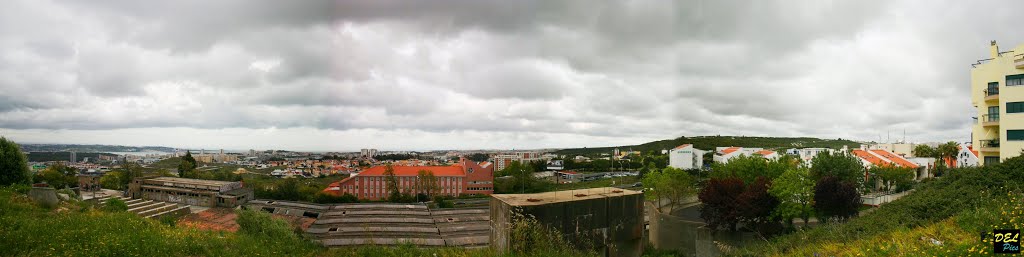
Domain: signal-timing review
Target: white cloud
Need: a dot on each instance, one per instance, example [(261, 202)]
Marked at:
[(479, 74)]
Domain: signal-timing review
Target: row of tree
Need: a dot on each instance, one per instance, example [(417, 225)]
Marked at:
[(763, 193)]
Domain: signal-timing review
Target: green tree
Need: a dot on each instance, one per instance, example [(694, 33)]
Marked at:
[(58, 176), (945, 151), (128, 172), (13, 164), (748, 168), (893, 177), (669, 188), (795, 191), (426, 184), (521, 181), (923, 151), (843, 166), (187, 166), (391, 184)]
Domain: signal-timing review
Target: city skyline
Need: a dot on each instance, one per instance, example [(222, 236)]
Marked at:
[(340, 76)]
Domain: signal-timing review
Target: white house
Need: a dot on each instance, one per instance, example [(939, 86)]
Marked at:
[(768, 154), (967, 157), (686, 157), (724, 154)]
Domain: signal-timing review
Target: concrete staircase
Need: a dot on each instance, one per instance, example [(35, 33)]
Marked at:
[(149, 208), (376, 224)]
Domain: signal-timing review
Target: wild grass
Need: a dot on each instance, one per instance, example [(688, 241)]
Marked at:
[(72, 230)]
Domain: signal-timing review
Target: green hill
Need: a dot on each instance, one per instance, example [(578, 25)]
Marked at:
[(710, 142), (952, 209)]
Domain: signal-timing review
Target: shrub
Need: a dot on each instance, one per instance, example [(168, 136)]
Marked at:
[(256, 223), (114, 205), (13, 164), (720, 206)]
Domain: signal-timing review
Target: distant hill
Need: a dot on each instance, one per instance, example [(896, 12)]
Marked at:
[(710, 142), (92, 148)]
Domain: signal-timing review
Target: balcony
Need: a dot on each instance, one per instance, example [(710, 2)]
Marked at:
[(990, 120), (991, 145), (991, 94), (1018, 61)]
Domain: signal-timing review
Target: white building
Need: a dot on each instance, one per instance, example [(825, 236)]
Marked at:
[(724, 154), (368, 152), (686, 157), (967, 157), (503, 160)]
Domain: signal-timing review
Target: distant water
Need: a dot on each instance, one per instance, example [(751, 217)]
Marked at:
[(140, 153)]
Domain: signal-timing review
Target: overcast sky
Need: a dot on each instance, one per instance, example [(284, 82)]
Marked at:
[(417, 75)]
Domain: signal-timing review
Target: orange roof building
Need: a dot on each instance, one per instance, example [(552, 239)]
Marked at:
[(466, 177)]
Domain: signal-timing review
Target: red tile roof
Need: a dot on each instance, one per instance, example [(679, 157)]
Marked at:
[(681, 146), (454, 170), (894, 158), (765, 152), (869, 157), (730, 150)]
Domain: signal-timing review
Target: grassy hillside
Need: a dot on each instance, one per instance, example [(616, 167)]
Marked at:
[(75, 229), (952, 209), (710, 142)]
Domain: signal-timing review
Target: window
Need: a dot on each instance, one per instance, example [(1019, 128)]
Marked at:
[(993, 89), (1015, 107), (1015, 80), (991, 160), (1015, 135)]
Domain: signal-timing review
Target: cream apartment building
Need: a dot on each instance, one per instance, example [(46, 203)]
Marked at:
[(997, 90)]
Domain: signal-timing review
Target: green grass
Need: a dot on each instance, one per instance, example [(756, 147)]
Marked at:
[(79, 230)]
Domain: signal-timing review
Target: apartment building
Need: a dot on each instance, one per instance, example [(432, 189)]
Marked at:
[(503, 160), (997, 91), (686, 157), (466, 177)]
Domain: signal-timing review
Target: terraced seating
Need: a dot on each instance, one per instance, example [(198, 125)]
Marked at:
[(150, 208)]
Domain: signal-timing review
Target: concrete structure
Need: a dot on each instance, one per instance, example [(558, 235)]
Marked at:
[(808, 154), (149, 208), (343, 225), (194, 192), (686, 157), (610, 219), (997, 91), (901, 149), (89, 181), (466, 177), (724, 154)]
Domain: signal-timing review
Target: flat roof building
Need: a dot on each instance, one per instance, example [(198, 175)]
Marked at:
[(194, 192), (610, 219)]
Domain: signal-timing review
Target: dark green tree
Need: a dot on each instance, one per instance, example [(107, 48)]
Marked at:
[(58, 176), (391, 184), (835, 199), (13, 164), (127, 173), (187, 167), (842, 166)]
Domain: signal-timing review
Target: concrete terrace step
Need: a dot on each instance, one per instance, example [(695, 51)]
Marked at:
[(183, 209), (460, 211), (466, 227), (477, 240), (367, 229), (461, 218), (393, 220), (377, 212), (141, 208), (158, 209), (382, 241)]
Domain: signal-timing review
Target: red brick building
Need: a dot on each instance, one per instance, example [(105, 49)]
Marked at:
[(465, 177)]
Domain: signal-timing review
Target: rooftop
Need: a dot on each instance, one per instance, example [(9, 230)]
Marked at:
[(563, 196), (190, 181)]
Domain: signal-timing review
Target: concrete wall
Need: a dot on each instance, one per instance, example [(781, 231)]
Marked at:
[(614, 225)]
